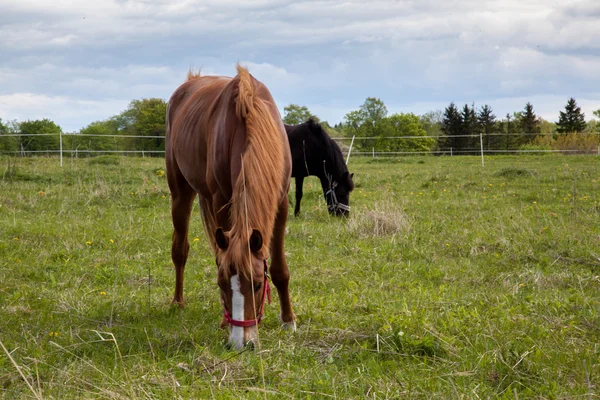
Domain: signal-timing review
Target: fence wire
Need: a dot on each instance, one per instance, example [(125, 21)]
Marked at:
[(363, 152)]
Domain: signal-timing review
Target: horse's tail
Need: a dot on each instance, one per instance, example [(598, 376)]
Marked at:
[(259, 187)]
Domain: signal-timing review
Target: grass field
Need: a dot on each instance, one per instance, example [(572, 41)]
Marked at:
[(449, 280)]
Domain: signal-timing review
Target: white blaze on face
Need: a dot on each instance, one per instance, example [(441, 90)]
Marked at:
[(236, 336)]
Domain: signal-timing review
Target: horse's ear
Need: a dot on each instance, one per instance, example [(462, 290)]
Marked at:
[(256, 241), (350, 181), (222, 239)]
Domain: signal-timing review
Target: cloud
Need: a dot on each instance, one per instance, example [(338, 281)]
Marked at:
[(68, 112), (328, 55)]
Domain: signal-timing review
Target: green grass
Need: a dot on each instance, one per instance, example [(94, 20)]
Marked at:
[(449, 281)]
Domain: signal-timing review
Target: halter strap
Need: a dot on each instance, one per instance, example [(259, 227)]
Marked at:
[(266, 294), (335, 204)]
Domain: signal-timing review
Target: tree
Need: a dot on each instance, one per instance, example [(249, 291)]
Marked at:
[(144, 117), (529, 123), (374, 110), (354, 124), (487, 122), (406, 125), (7, 143), (40, 135), (572, 119), (591, 126), (546, 127), (295, 114), (91, 137), (431, 121), (368, 121), (451, 126), (469, 126)]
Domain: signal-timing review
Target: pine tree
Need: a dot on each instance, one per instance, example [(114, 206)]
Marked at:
[(469, 127), (529, 123), (487, 120), (451, 126), (507, 130), (572, 119)]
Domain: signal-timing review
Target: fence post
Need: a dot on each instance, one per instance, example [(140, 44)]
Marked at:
[(373, 152), (481, 144), (350, 149), (61, 155), (450, 151)]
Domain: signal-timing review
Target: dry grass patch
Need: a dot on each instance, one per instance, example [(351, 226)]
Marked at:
[(383, 219)]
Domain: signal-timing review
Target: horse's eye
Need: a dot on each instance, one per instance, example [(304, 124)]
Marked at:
[(257, 286)]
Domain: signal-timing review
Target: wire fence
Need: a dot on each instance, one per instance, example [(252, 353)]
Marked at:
[(363, 151)]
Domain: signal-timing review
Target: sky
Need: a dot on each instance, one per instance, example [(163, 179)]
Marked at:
[(77, 61)]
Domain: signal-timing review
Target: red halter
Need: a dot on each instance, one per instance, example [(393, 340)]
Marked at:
[(252, 322)]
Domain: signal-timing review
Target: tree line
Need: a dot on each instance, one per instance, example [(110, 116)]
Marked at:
[(460, 130), (141, 128), (144, 119)]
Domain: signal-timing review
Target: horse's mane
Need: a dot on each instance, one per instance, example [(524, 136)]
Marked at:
[(335, 164), (258, 189), (191, 75)]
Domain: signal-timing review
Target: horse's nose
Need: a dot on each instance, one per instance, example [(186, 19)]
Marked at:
[(249, 337), (342, 213)]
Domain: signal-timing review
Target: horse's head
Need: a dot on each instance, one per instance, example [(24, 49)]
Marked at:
[(338, 196), (244, 288)]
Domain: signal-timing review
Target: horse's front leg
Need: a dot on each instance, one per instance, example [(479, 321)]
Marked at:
[(299, 184), (279, 268)]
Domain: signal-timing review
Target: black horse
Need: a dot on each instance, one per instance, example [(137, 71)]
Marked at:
[(314, 153)]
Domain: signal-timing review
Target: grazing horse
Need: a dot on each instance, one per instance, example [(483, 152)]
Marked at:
[(225, 142), (315, 153)]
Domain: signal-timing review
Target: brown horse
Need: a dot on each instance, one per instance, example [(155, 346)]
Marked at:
[(225, 142)]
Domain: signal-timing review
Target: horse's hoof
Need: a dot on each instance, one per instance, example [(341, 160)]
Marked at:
[(289, 326), (178, 303)]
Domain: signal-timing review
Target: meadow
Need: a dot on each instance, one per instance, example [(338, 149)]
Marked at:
[(448, 280)]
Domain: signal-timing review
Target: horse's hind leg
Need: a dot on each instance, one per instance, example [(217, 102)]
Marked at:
[(182, 201), (279, 268)]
